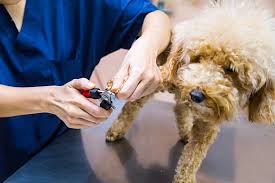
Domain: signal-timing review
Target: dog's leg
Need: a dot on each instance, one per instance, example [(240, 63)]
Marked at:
[(202, 136), (184, 121), (125, 119)]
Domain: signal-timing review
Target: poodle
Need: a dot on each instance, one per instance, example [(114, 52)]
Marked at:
[(219, 62)]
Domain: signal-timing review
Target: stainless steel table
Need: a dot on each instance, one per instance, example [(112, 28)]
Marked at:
[(243, 153)]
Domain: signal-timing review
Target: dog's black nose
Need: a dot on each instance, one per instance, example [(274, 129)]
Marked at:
[(197, 96)]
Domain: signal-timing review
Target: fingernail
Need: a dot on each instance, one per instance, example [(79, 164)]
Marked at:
[(92, 85), (115, 85), (115, 90)]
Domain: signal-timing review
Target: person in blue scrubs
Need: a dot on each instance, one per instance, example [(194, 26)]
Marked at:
[(47, 50)]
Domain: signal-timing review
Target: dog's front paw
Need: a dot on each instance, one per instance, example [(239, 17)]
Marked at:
[(112, 136), (184, 179), (184, 139)]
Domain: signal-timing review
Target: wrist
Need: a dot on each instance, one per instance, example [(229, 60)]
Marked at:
[(24, 100), (46, 98), (149, 46)]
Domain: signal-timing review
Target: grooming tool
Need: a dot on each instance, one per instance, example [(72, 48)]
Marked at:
[(106, 96)]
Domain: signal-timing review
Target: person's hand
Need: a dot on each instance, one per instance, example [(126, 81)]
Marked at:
[(139, 74), (72, 108)]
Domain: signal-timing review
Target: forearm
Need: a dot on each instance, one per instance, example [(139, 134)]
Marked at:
[(156, 31), (20, 101)]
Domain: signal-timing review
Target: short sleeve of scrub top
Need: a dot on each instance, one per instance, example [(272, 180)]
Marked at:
[(60, 40)]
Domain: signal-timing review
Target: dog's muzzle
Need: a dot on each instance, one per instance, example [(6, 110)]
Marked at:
[(197, 96)]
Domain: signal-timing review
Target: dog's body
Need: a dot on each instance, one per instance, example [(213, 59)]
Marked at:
[(218, 62)]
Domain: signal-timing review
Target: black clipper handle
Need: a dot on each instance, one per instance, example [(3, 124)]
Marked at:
[(96, 94)]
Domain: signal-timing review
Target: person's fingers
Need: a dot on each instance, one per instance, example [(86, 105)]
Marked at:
[(78, 126), (85, 116), (82, 84), (75, 123), (159, 76), (146, 87), (154, 85), (93, 109), (139, 91), (79, 121), (75, 112), (130, 85), (148, 91), (120, 77), (97, 103), (143, 89)]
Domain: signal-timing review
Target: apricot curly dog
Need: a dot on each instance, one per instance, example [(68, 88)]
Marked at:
[(218, 62)]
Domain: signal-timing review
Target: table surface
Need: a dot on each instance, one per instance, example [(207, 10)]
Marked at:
[(243, 153)]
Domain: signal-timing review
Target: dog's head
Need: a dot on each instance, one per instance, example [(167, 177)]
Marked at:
[(223, 59)]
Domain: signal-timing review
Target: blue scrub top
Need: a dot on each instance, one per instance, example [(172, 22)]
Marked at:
[(60, 40)]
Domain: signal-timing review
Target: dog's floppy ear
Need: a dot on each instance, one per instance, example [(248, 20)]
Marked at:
[(262, 104), (163, 57), (171, 60), (174, 62)]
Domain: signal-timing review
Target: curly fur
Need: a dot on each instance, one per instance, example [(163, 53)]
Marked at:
[(227, 53)]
